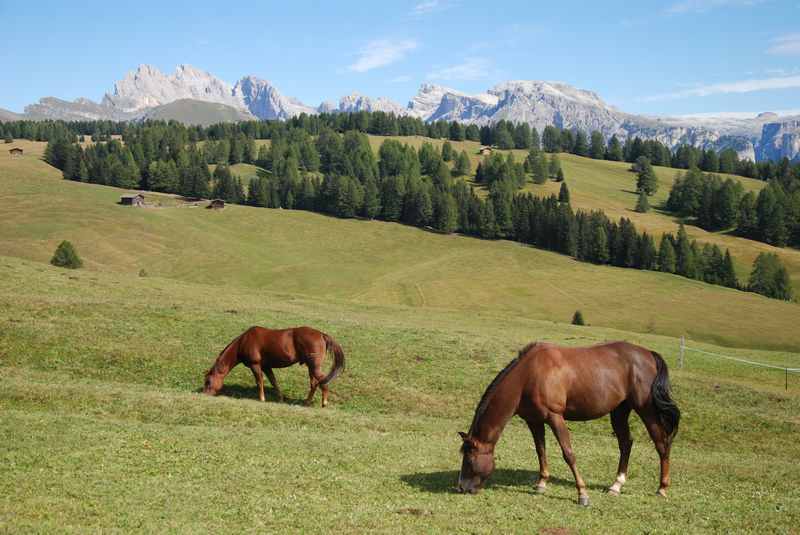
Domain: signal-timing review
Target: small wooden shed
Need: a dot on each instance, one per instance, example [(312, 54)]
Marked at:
[(216, 204), (485, 151), (132, 199), (15, 152)]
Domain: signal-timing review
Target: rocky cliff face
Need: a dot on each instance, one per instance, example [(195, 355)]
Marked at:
[(264, 101), (538, 103), (780, 140)]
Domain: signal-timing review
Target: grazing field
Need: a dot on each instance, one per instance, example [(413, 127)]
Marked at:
[(103, 428), (369, 262)]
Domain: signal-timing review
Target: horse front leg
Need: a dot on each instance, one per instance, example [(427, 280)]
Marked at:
[(537, 430), (559, 427), (259, 377)]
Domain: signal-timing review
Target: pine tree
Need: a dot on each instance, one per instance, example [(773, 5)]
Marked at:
[(577, 318), (615, 152), (647, 180), (372, 199), (541, 169), (597, 149), (727, 275), (563, 194), (447, 151), (666, 255), (642, 205), (560, 175), (684, 255), (770, 278), (66, 256), (581, 146), (462, 167)]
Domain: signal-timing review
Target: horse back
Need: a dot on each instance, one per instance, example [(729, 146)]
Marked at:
[(584, 383)]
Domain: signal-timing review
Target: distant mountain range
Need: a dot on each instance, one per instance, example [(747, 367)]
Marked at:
[(194, 96)]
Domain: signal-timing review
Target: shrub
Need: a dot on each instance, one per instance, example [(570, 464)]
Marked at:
[(577, 318), (66, 256)]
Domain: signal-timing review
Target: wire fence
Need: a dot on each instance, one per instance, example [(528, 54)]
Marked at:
[(786, 370)]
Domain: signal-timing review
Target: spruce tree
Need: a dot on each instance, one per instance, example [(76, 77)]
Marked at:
[(597, 149), (560, 175), (372, 200), (554, 166), (447, 151), (642, 205), (666, 255), (647, 180), (462, 167), (727, 274), (684, 255), (66, 256), (541, 169), (563, 194), (615, 152)]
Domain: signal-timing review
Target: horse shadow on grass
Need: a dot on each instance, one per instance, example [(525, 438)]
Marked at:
[(249, 392), (444, 482)]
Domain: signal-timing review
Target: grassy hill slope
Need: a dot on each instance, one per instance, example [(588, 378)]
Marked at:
[(368, 262)]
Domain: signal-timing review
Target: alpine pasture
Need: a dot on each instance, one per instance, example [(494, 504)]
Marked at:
[(104, 428)]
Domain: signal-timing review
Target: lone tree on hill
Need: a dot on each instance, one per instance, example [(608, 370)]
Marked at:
[(577, 318), (66, 256), (647, 180), (642, 206), (563, 193), (560, 175)]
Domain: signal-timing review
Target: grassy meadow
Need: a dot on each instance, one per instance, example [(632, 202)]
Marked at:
[(103, 428)]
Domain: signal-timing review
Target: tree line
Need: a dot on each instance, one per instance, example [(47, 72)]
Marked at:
[(339, 174)]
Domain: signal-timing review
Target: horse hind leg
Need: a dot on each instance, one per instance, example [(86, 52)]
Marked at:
[(274, 382), (315, 376), (559, 427), (619, 423), (662, 444)]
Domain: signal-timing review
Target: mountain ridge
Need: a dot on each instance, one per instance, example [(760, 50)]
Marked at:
[(538, 103)]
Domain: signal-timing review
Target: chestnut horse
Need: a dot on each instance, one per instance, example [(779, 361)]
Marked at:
[(547, 384), (262, 349)]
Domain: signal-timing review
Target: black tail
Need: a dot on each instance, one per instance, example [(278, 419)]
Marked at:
[(338, 359), (668, 412)]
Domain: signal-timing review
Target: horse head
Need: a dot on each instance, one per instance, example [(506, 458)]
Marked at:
[(477, 464), (212, 383)]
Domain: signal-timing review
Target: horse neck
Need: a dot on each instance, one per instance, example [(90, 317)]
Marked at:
[(499, 409), (226, 360)]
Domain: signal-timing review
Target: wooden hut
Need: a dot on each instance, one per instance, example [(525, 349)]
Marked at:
[(132, 199), (217, 204), (15, 152)]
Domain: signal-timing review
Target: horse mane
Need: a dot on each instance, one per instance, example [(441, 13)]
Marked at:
[(484, 402)]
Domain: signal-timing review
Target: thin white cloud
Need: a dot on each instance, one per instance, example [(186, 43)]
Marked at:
[(786, 45), (380, 53), (401, 79), (702, 6), (741, 86), (429, 6), (471, 69)]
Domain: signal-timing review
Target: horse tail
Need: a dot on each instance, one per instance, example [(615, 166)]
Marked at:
[(338, 359), (668, 412)]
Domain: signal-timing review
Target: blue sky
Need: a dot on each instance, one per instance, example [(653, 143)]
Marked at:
[(671, 57)]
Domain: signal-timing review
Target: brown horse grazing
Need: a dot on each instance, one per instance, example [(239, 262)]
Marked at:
[(547, 384), (262, 349)]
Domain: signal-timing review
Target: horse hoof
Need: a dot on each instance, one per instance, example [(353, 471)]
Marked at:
[(540, 489), (613, 492), (583, 500), (661, 493)]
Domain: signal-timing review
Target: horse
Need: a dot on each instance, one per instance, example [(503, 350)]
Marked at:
[(548, 384), (262, 349)]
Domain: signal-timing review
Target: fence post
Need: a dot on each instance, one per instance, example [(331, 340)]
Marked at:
[(787, 379), (683, 349)]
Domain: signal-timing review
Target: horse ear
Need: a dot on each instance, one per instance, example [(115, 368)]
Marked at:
[(463, 435)]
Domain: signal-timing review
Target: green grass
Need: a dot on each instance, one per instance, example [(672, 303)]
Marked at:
[(103, 428)]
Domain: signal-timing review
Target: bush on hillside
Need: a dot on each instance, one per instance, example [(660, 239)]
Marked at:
[(577, 318), (66, 256)]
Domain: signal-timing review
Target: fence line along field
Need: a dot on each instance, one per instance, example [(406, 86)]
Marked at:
[(104, 427)]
